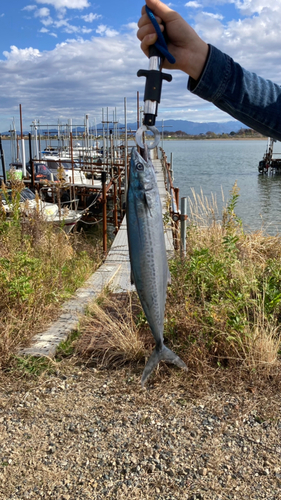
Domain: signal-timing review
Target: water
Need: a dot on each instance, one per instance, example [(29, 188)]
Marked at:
[(214, 166)]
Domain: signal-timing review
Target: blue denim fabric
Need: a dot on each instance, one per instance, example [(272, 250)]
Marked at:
[(243, 95)]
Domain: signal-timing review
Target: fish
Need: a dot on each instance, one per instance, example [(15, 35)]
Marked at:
[(147, 251)]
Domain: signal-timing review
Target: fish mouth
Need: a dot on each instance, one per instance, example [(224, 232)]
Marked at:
[(144, 153)]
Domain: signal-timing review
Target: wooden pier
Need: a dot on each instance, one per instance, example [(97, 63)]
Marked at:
[(113, 273)]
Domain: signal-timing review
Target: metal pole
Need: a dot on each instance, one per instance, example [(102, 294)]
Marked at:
[(126, 148), (171, 166), (183, 226), (31, 160), (104, 232), (72, 162), (2, 160), (115, 213), (177, 196), (103, 138), (107, 141), (22, 146), (111, 154), (120, 191), (39, 140), (138, 110), (36, 140)]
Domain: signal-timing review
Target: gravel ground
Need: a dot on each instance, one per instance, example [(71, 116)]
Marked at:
[(86, 434)]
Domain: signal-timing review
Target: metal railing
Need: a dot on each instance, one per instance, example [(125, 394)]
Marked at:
[(178, 213)]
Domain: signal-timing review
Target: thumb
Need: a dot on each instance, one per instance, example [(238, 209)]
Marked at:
[(159, 9)]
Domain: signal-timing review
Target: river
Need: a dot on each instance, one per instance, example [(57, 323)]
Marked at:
[(214, 166)]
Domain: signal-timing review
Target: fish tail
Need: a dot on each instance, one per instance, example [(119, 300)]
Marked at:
[(164, 354)]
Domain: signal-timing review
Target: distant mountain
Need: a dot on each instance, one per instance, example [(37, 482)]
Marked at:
[(196, 128), (192, 128)]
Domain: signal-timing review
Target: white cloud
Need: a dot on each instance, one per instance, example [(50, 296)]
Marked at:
[(66, 4), (67, 75), (66, 26), (20, 55), (85, 30), (255, 6), (132, 26), (44, 12), (47, 21), (2, 15), (29, 7), (75, 69), (89, 18), (213, 16), (104, 30), (252, 41), (194, 5), (44, 30)]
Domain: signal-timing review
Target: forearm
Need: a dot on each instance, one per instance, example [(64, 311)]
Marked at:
[(243, 95)]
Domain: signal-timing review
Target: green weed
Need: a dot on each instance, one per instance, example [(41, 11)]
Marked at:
[(225, 297), (34, 366)]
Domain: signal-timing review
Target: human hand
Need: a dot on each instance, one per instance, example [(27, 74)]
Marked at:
[(189, 50)]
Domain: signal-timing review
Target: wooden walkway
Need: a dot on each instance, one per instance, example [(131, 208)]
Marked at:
[(114, 273)]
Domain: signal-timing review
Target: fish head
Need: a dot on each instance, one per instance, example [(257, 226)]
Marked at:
[(142, 175)]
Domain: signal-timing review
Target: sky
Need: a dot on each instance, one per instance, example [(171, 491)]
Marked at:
[(62, 59)]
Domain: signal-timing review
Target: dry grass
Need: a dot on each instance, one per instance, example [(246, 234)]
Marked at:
[(224, 304), (223, 307), (39, 268), (110, 335)]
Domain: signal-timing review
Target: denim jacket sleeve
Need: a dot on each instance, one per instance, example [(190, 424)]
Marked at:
[(243, 95)]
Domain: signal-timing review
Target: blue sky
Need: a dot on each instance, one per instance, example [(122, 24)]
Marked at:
[(64, 58)]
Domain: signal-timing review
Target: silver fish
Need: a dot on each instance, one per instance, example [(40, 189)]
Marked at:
[(149, 266)]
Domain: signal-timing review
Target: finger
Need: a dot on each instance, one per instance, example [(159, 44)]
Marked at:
[(147, 41), (148, 29), (144, 19)]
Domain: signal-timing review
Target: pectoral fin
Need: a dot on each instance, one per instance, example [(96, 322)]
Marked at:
[(148, 199)]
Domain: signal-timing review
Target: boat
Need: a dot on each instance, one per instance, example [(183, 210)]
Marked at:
[(270, 162), (60, 216)]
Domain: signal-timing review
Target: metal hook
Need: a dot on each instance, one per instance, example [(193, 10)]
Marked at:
[(139, 136)]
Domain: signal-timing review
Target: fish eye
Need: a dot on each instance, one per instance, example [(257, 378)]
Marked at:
[(139, 166)]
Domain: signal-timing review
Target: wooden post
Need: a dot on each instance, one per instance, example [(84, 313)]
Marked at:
[(104, 232)]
